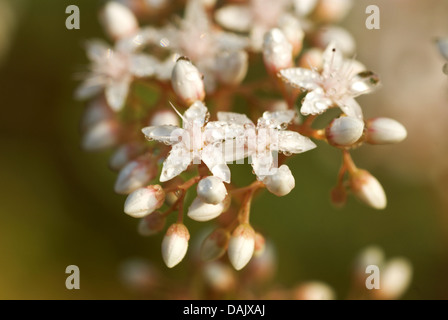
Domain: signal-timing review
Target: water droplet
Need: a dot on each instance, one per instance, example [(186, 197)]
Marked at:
[(287, 153)]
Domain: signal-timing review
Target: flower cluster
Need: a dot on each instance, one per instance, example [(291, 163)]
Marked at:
[(166, 96)]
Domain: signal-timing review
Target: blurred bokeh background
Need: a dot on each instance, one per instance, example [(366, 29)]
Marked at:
[(58, 207)]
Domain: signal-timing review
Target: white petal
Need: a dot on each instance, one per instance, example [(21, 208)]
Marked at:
[(167, 134), (315, 102), (342, 39), (88, 89), (197, 112), (234, 17), (177, 161), (363, 83), (164, 69), (293, 142), (117, 92), (143, 65), (96, 49), (277, 119), (301, 78), (351, 108), (201, 211), (263, 164), (227, 41), (232, 117), (213, 157)]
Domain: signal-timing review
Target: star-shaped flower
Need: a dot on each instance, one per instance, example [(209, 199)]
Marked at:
[(113, 70), (336, 85)]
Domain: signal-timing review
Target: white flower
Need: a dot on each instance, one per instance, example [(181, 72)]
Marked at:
[(165, 117), (256, 18), (113, 70), (175, 244), (190, 144), (267, 138), (335, 85)]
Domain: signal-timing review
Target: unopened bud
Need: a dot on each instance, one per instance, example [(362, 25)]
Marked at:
[(219, 276), (395, 278), (215, 245), (241, 246), (187, 82), (175, 244), (101, 135), (331, 11), (367, 189), (344, 131), (312, 59), (231, 67), (314, 291), (304, 7), (281, 182), (260, 244), (118, 20), (152, 224), (338, 196), (134, 175), (164, 117), (385, 131), (292, 30), (342, 39), (372, 255), (211, 190), (123, 155), (96, 111), (201, 211), (277, 51), (144, 201)]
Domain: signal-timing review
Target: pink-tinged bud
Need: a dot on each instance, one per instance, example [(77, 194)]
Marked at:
[(219, 277), (187, 82), (101, 135), (277, 51), (331, 11), (260, 244), (338, 196), (312, 59), (165, 117), (201, 211), (241, 246), (152, 224), (134, 175), (367, 189), (231, 67), (293, 32), (211, 190), (118, 21), (215, 245), (395, 278), (344, 131), (123, 155), (281, 182), (385, 131), (314, 291), (144, 201), (175, 244)]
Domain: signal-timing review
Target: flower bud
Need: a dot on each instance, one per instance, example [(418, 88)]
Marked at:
[(314, 291), (118, 21), (344, 131), (187, 81), (175, 244), (241, 246), (134, 175), (293, 32), (144, 201), (139, 275), (372, 255), (277, 51), (331, 11), (219, 276), (152, 224), (338, 196), (312, 59), (201, 211), (96, 111), (101, 135), (304, 7), (231, 67), (123, 155), (211, 190), (342, 39), (165, 117), (281, 182), (385, 131), (395, 278), (260, 244), (215, 245), (367, 189)]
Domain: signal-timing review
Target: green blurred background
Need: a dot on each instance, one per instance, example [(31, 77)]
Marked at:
[(57, 204)]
